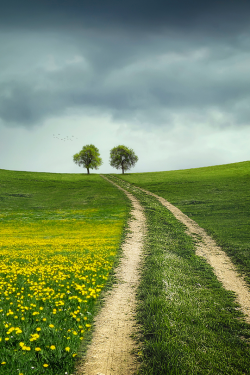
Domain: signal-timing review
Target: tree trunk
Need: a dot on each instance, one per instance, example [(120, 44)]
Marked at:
[(122, 170), (88, 170)]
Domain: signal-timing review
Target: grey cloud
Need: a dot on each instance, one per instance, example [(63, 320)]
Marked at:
[(141, 77), (145, 88), (170, 78), (215, 16)]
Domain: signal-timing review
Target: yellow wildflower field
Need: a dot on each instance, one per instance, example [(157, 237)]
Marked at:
[(53, 266)]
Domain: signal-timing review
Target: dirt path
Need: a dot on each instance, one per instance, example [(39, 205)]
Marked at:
[(111, 348), (216, 257)]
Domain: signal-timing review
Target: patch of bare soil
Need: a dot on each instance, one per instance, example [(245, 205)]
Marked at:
[(111, 350), (206, 247)]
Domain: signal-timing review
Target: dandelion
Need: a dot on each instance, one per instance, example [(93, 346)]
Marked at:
[(53, 291)]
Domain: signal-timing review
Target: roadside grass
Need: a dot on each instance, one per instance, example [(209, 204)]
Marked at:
[(217, 198), (189, 323), (60, 236)]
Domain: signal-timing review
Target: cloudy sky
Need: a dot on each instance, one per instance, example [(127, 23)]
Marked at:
[(168, 78)]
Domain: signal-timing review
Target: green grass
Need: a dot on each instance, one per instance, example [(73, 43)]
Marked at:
[(217, 198), (59, 240), (40, 191), (189, 323)]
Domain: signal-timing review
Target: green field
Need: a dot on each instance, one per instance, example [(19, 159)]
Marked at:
[(189, 323), (60, 237), (59, 240), (217, 198)]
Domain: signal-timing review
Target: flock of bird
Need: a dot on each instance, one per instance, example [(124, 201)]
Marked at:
[(58, 136)]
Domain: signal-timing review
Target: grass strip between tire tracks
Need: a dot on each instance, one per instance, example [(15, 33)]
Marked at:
[(190, 323)]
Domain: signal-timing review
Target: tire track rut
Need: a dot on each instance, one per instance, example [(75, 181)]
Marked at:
[(111, 349)]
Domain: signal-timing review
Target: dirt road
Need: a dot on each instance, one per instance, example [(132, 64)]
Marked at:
[(111, 349)]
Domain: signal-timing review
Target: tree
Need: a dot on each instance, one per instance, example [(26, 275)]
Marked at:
[(122, 157), (88, 157)]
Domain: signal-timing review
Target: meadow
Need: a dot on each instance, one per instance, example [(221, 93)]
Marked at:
[(189, 324), (217, 198), (60, 236)]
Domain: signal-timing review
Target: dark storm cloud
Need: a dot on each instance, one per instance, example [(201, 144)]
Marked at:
[(136, 60), (215, 16), (146, 89)]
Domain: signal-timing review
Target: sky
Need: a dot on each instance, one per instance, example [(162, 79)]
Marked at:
[(168, 78)]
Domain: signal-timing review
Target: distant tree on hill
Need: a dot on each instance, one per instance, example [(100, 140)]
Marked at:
[(88, 157), (122, 157)]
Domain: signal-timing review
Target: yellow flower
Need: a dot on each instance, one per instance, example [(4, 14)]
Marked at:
[(3, 363), (45, 365), (73, 355), (70, 274)]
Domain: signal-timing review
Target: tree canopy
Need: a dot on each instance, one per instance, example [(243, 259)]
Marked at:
[(122, 157), (88, 157)]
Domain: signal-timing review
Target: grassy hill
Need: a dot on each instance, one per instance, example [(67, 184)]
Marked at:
[(189, 323), (40, 191), (59, 239), (59, 236), (217, 198)]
